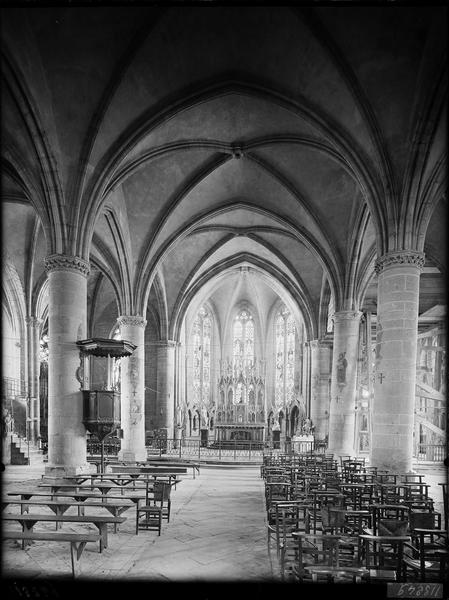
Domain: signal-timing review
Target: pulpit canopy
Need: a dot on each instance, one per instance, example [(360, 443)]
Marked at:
[(101, 407), (106, 347)]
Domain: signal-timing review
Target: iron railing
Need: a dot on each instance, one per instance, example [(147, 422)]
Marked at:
[(12, 387), (199, 450), (241, 450), (431, 452), (111, 447)]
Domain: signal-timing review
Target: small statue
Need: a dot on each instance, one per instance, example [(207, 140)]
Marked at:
[(179, 416), (7, 423), (342, 363), (307, 426)]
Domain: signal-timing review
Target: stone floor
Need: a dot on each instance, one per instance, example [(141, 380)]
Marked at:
[(217, 532), (216, 535)]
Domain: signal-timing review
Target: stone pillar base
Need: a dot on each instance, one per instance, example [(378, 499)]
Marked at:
[(342, 452), (130, 456), (127, 456), (6, 450), (56, 471)]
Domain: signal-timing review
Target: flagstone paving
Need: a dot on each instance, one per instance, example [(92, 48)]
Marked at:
[(217, 532)]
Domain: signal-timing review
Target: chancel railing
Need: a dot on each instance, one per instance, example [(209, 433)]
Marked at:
[(237, 450), (430, 452)]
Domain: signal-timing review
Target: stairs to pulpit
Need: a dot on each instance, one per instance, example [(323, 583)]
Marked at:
[(23, 453)]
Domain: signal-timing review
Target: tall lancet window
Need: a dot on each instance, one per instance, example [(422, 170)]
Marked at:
[(285, 332), (202, 328), (243, 354), (243, 340)]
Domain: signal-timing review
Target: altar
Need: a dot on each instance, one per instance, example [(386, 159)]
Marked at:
[(303, 443), (239, 432)]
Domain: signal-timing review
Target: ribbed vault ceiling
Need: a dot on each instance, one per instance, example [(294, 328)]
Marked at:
[(183, 144)]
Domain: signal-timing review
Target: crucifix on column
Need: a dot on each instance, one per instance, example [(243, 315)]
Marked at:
[(381, 377)]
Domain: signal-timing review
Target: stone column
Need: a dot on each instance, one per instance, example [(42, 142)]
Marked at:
[(33, 328), (343, 382), (179, 393), (67, 277), (306, 388), (132, 385), (166, 385), (395, 370), (320, 400)]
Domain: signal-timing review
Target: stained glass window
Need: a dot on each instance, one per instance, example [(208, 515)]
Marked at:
[(285, 334), (243, 354), (202, 328), (43, 348), (290, 358), (280, 359), (243, 340)]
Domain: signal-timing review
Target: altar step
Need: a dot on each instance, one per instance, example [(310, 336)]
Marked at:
[(231, 445)]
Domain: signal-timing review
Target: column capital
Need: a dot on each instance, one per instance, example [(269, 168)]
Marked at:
[(131, 321), (164, 343), (33, 321), (400, 257), (320, 343), (64, 262), (346, 315)]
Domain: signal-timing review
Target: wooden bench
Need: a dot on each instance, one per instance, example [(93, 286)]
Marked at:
[(149, 470), (77, 541), (121, 480), (82, 499), (125, 478), (78, 480), (60, 507), (102, 487), (171, 478), (28, 520), (195, 466), (134, 478), (79, 496)]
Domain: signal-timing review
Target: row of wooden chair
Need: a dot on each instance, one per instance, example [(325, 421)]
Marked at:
[(355, 528), (385, 550)]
